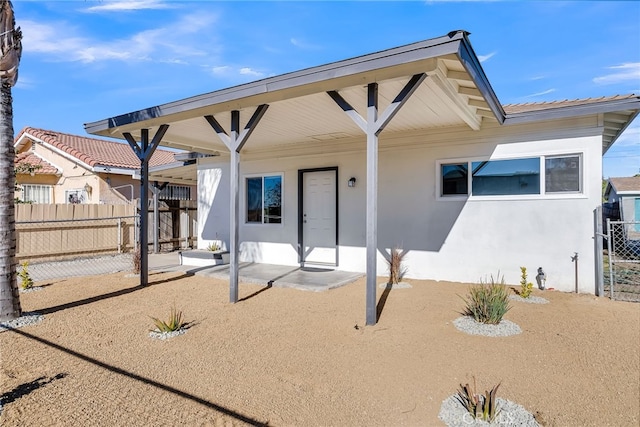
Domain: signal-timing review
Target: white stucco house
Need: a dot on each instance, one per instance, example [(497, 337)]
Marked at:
[(408, 147)]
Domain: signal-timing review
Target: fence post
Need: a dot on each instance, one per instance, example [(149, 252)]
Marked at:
[(610, 252), (599, 257), (119, 235)]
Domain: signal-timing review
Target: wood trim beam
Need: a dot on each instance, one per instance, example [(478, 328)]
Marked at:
[(459, 106), (235, 142), (144, 151)]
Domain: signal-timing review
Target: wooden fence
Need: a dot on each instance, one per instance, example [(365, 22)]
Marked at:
[(59, 231)]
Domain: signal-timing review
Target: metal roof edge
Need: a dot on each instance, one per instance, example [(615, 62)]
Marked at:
[(426, 49), (622, 129), (472, 64), (575, 110)]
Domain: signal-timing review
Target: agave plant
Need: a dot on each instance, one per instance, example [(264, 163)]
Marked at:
[(174, 323), (483, 407)]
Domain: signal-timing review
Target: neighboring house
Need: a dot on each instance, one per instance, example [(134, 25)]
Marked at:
[(623, 195), (55, 167), (337, 164)]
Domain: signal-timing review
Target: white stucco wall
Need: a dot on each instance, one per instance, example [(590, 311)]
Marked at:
[(449, 240)]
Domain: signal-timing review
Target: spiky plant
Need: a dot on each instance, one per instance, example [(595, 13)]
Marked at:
[(25, 279), (488, 302), (396, 269), (525, 287), (483, 407), (174, 323)]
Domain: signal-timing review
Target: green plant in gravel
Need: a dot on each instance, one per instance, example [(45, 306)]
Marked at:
[(214, 246), (25, 278), (174, 323), (525, 287), (483, 407), (488, 302)]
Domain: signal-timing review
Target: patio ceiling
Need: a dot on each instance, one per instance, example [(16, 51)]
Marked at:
[(455, 93)]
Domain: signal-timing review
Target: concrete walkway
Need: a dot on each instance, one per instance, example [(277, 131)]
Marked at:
[(283, 276)]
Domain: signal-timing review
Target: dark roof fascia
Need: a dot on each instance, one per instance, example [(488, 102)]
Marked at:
[(622, 129), (424, 50), (574, 111), (471, 63)]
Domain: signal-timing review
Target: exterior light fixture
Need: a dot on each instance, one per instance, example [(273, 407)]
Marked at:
[(87, 188), (351, 182)]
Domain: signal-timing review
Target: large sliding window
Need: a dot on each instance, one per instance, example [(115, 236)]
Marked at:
[(505, 177), (264, 199), (541, 175)]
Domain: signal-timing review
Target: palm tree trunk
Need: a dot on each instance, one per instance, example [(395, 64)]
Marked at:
[(11, 49), (9, 295)]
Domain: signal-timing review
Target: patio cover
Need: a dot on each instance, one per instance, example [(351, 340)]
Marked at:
[(430, 84)]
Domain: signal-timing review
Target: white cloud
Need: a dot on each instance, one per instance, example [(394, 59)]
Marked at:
[(221, 70), (621, 73), (630, 137), (302, 44), (544, 92), (250, 72), (176, 43), (483, 58), (118, 6), (534, 78)]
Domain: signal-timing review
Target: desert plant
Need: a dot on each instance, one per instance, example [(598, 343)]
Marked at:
[(136, 261), (488, 302), (483, 407), (174, 323), (525, 287), (25, 278), (214, 246), (396, 269)]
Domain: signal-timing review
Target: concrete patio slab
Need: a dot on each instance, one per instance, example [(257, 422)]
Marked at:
[(283, 276)]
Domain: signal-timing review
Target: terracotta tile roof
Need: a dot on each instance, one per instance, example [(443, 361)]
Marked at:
[(97, 152), (28, 158), (631, 183), (537, 106)]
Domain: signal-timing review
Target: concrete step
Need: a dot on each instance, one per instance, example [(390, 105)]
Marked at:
[(203, 258)]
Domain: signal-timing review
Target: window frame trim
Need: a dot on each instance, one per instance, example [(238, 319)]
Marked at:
[(581, 194), (245, 203)]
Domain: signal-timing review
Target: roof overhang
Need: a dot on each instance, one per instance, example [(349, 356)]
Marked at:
[(456, 92), (615, 116)]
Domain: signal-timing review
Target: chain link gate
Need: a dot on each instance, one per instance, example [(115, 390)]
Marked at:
[(622, 268)]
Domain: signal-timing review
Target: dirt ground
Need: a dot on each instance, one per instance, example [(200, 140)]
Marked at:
[(286, 357)]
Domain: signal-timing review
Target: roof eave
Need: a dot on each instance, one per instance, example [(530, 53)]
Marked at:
[(333, 76), (574, 111), (471, 63)]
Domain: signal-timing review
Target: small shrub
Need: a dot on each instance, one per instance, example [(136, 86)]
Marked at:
[(488, 302), (174, 323), (214, 246), (525, 287), (396, 269), (136, 261), (483, 407), (25, 278)]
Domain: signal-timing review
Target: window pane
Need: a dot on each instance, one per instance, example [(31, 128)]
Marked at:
[(36, 193), (454, 179), (273, 199), (254, 199), (562, 174), (506, 177)]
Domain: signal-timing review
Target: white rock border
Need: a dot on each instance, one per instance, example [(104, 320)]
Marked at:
[(27, 319), (468, 324), (31, 289), (156, 334), (401, 285), (533, 299), (453, 414)]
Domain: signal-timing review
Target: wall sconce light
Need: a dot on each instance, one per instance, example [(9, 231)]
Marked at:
[(87, 188), (351, 182)]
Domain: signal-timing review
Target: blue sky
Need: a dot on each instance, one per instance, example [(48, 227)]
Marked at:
[(84, 61)]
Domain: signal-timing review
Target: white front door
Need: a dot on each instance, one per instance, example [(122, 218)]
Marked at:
[(319, 221)]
